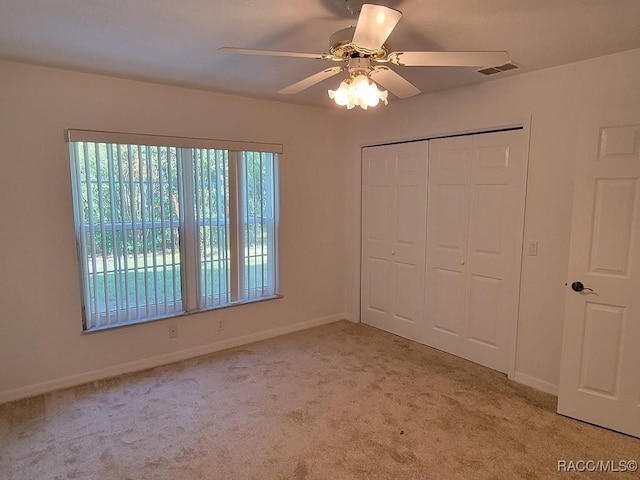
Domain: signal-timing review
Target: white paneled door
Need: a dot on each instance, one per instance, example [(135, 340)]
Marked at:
[(474, 244), (394, 199), (600, 373)]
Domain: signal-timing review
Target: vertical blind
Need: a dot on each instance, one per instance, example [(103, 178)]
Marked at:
[(257, 223), (211, 189), (142, 211)]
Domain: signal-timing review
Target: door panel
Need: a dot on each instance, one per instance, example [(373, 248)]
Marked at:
[(450, 212), (486, 225), (602, 347), (393, 244), (376, 237), (406, 304), (614, 212), (408, 206), (474, 243), (379, 219), (599, 380), (377, 285), (484, 301), (447, 232), (448, 301)]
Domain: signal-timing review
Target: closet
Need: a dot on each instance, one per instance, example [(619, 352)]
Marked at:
[(442, 242)]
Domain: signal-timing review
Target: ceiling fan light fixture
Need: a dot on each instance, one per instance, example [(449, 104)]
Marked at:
[(362, 49), (341, 95), (358, 91)]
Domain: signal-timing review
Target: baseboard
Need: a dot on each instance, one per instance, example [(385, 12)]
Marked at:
[(536, 383), (139, 365)]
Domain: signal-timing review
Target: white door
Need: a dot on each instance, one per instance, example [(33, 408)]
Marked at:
[(600, 373), (474, 244), (394, 203)]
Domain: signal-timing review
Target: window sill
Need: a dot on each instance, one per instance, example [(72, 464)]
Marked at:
[(181, 314)]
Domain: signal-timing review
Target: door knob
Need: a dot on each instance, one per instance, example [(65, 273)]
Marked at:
[(579, 287), (461, 262)]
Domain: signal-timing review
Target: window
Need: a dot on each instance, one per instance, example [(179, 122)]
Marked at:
[(171, 225)]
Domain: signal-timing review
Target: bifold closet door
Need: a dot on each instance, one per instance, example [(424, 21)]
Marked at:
[(394, 202), (474, 243)]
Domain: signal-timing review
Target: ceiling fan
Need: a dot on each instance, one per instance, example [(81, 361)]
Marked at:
[(362, 51)]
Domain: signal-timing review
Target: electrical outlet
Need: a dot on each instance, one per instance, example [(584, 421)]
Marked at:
[(533, 248), (173, 331), (220, 325)]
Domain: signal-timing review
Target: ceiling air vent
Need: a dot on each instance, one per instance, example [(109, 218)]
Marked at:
[(498, 69)]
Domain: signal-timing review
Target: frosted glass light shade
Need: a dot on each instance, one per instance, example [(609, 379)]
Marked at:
[(360, 91)]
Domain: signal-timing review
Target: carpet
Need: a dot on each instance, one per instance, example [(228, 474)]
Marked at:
[(340, 401)]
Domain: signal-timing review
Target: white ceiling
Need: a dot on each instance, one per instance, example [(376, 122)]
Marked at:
[(176, 41)]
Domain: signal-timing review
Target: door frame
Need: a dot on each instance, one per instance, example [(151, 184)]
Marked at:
[(477, 128)]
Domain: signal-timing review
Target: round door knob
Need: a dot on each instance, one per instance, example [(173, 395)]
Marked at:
[(393, 252), (579, 287), (461, 262)]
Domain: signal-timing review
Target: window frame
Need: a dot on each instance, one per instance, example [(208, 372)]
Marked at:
[(191, 299)]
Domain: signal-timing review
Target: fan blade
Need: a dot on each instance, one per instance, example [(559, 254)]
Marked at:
[(312, 80), (274, 53), (448, 59), (374, 26), (392, 81)]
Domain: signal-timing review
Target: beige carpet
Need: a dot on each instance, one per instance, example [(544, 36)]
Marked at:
[(341, 401)]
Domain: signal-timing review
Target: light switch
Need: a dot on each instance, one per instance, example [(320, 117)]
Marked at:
[(533, 248)]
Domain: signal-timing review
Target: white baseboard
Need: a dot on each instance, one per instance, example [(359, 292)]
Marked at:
[(144, 364), (536, 383), (348, 316)]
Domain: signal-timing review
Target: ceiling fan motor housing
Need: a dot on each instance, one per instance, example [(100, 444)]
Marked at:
[(359, 65), (342, 47)]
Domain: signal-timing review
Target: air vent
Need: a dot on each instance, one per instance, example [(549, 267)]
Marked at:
[(498, 69)]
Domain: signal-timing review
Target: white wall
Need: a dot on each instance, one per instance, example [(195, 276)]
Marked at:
[(41, 345), (554, 100)]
